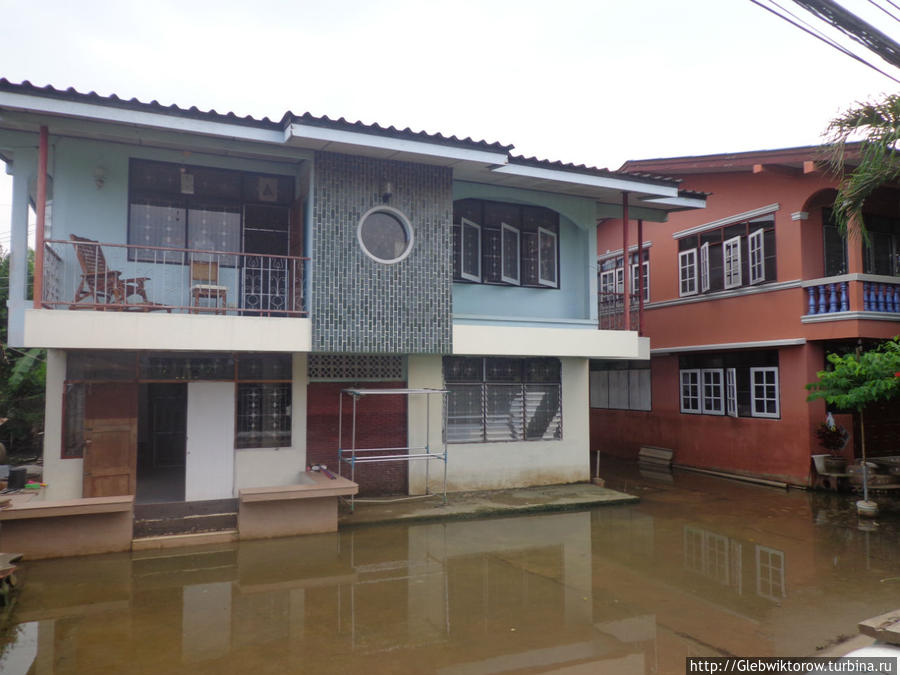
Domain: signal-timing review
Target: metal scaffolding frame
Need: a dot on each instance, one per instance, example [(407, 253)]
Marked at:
[(352, 456)]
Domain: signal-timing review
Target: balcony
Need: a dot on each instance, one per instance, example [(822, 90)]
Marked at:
[(852, 296), (611, 311), (82, 274)]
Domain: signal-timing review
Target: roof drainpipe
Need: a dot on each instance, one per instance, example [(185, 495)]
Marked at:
[(41, 208), (625, 267), (640, 267)]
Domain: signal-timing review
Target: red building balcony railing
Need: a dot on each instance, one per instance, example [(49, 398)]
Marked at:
[(851, 293), (85, 274), (611, 311)]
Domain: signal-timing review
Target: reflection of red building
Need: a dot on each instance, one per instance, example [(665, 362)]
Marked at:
[(743, 301)]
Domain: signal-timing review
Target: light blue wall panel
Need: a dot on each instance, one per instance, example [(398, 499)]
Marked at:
[(81, 207), (578, 254)]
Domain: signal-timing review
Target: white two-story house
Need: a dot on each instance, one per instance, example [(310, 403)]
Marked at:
[(206, 285)]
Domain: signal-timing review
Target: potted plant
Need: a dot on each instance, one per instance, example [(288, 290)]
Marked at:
[(833, 438), (855, 381)]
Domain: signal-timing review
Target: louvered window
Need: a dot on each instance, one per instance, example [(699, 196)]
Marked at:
[(499, 399)]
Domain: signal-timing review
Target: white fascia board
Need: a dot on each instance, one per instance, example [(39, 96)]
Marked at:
[(618, 251), (90, 111), (587, 179), (678, 202), (583, 342), (736, 218), (758, 344), (398, 145)]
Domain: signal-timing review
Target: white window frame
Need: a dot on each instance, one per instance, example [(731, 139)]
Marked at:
[(767, 571), (692, 373), (754, 399), (704, 268), (731, 262), (718, 408), (731, 392), (507, 279), (756, 251), (553, 283), (462, 248), (635, 279), (687, 272), (608, 281)]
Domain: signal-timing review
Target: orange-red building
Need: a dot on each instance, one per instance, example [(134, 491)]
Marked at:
[(742, 300)]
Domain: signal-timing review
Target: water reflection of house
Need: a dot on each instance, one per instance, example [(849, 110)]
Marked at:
[(484, 596), (249, 269), (741, 303)]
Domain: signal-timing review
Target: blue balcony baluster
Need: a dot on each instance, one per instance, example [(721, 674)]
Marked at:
[(879, 293), (811, 291), (832, 299), (896, 303), (845, 302), (867, 296), (822, 309)]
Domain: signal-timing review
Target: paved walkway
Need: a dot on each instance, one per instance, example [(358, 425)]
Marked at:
[(461, 505)]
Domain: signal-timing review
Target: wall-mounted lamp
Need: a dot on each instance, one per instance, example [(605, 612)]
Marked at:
[(100, 177), (387, 190)]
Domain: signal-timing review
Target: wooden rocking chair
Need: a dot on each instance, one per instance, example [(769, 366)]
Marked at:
[(101, 284)]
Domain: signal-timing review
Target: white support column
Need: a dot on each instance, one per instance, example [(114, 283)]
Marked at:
[(64, 477), (425, 372), (23, 171)]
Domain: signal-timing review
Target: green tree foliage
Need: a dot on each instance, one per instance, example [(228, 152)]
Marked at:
[(856, 380), (22, 376), (876, 126)]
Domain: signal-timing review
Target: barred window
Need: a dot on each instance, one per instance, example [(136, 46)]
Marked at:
[(503, 399), (264, 401)]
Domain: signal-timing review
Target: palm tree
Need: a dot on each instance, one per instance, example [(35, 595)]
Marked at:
[(875, 162)]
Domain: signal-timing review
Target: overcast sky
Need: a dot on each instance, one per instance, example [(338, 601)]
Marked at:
[(594, 82)]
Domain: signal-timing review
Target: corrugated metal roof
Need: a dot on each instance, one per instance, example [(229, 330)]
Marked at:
[(591, 170), (341, 124), (193, 112)]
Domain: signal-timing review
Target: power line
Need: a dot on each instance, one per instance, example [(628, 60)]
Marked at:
[(855, 28), (875, 4), (830, 42)]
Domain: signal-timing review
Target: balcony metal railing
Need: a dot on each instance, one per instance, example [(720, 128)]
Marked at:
[(611, 311), (85, 274), (843, 295)]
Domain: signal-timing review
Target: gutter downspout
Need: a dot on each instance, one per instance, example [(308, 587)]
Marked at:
[(626, 268), (41, 210), (640, 268)]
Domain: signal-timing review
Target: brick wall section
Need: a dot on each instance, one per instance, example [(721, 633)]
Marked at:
[(359, 305), (380, 422)]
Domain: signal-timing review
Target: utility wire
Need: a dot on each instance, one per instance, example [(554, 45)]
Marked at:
[(829, 42), (872, 2), (855, 28), (24, 354)]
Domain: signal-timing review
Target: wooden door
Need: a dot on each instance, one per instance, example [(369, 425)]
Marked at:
[(110, 439)]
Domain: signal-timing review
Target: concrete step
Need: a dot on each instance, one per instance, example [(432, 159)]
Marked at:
[(153, 511), (171, 518), (213, 522)]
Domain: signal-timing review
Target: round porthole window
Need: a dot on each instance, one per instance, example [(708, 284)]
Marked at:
[(385, 235)]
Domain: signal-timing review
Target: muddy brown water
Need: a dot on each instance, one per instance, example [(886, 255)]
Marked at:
[(701, 566)]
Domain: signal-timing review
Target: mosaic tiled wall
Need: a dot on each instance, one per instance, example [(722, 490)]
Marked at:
[(360, 305)]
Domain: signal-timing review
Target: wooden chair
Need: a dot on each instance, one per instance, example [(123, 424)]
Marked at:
[(205, 284), (101, 284)]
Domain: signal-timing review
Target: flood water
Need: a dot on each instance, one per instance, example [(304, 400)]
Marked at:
[(701, 566)]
